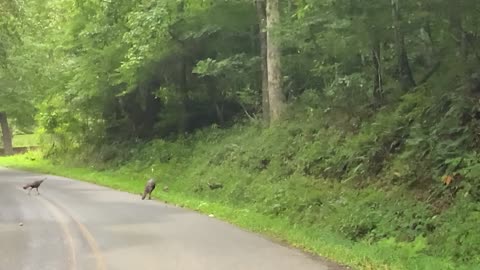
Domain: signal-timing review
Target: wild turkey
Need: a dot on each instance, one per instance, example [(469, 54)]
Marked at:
[(213, 186), (149, 187), (34, 185)]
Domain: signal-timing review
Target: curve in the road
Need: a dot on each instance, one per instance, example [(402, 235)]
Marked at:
[(63, 223), (61, 214), (74, 225)]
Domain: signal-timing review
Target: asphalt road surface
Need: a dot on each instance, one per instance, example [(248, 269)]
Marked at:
[(74, 225)]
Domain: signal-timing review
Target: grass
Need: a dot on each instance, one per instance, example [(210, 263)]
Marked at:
[(386, 254), (24, 140)]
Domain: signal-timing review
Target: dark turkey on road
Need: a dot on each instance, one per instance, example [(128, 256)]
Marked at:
[(34, 185)]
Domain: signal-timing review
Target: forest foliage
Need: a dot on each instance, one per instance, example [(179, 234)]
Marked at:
[(377, 94)]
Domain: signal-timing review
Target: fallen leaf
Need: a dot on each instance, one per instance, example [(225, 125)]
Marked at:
[(447, 179)]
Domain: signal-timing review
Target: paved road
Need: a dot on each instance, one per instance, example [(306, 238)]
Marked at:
[(73, 225)]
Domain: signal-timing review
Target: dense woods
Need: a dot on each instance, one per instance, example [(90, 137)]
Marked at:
[(374, 95), (145, 69)]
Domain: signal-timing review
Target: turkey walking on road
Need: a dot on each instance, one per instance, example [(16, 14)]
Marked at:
[(34, 185), (149, 187)]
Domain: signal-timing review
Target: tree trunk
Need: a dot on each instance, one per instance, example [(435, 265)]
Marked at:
[(405, 76), (275, 95), (6, 135), (261, 13), (460, 36), (456, 27), (219, 111), (377, 79), (182, 113), (182, 107)]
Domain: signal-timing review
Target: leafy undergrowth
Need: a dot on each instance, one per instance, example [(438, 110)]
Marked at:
[(344, 208), (366, 228)]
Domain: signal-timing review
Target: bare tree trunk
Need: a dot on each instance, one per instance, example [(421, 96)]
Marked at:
[(261, 13), (220, 118), (182, 107), (460, 36), (404, 71), (6, 134), (377, 79), (456, 26), (275, 95), (182, 113)]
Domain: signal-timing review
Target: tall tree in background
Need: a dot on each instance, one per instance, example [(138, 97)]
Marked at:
[(8, 39), (6, 134), (276, 97), (261, 14), (24, 65), (377, 77), (405, 76)]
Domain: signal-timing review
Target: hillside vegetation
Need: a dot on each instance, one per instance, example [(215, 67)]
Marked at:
[(350, 129), (356, 195)]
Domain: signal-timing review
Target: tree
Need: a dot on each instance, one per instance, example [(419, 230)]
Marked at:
[(24, 65), (405, 75), (262, 34), (378, 73), (115, 71), (8, 39), (6, 134), (275, 95)]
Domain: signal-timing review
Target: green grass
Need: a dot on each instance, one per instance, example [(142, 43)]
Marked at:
[(316, 238), (24, 140)]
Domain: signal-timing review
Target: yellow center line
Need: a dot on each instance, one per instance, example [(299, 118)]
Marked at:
[(93, 245), (100, 262), (61, 219)]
